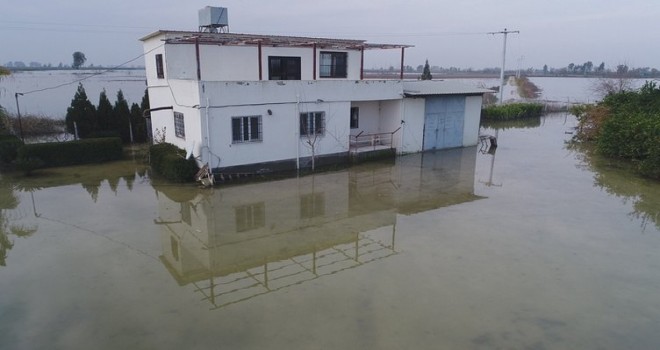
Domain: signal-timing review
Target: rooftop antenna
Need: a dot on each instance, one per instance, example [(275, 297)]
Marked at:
[(213, 20), (505, 32)]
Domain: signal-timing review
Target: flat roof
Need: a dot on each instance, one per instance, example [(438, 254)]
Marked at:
[(238, 39), (440, 87)]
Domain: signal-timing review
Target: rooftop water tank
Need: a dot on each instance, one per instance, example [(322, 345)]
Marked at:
[(213, 19)]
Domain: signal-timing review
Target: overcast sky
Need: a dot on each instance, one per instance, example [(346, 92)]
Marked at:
[(447, 33)]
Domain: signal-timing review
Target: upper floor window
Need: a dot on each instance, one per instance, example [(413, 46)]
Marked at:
[(246, 129), (283, 68), (160, 71), (333, 64), (312, 123), (179, 125)]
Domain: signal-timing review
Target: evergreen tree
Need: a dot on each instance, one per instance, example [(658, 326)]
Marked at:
[(104, 115), (426, 75), (122, 116), (82, 113), (138, 124), (145, 101)]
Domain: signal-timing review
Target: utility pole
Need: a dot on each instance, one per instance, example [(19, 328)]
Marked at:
[(505, 32), (18, 112)]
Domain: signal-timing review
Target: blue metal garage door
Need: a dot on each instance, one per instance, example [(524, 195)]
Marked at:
[(443, 122)]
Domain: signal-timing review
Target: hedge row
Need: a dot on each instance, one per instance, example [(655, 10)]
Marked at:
[(9, 145), (71, 153), (512, 111), (170, 162)]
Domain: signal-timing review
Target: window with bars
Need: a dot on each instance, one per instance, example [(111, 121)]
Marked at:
[(246, 129), (160, 71), (312, 123), (179, 125), (333, 65), (250, 216)]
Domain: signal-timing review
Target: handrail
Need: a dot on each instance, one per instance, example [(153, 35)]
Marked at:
[(373, 140)]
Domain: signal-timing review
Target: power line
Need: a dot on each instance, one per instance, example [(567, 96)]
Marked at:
[(91, 75), (73, 24)]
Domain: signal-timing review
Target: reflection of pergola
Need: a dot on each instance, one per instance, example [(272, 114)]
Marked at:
[(236, 287)]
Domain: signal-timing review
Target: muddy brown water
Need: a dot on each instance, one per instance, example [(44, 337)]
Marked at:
[(534, 246)]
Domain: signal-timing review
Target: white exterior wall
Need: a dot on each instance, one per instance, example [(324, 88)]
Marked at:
[(280, 139), (186, 102), (368, 117), (152, 47), (390, 115), (412, 131), (232, 63), (472, 118), (229, 63)]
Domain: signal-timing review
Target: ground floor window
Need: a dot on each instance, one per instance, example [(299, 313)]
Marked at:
[(312, 123), (246, 129), (355, 117), (179, 125), (250, 217)]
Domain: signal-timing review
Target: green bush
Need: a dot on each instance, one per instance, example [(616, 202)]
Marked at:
[(628, 127), (512, 111), (9, 145), (71, 153), (170, 162)]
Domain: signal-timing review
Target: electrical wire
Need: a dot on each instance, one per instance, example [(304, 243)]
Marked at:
[(91, 75)]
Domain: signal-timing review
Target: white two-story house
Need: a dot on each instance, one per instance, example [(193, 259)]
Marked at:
[(257, 103)]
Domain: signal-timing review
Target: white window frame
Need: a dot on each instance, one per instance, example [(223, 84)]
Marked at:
[(317, 122), (179, 125), (246, 129)]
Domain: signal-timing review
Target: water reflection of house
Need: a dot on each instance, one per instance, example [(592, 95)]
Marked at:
[(242, 241)]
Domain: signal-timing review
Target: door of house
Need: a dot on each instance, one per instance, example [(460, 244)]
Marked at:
[(443, 122)]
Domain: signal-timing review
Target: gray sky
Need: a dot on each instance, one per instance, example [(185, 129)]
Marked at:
[(447, 33)]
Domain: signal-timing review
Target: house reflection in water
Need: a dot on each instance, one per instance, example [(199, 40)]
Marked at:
[(240, 241)]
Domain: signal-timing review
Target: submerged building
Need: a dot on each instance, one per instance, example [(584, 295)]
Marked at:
[(259, 103)]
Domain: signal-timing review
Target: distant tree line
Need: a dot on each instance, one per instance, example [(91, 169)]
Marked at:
[(106, 119), (572, 69)]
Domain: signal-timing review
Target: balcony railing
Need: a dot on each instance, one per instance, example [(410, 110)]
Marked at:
[(366, 142)]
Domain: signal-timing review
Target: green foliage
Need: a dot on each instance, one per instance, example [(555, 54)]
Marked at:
[(426, 75), (104, 114), (138, 123), (9, 145), (71, 153), (78, 59), (4, 122), (169, 161), (512, 111), (82, 113), (628, 126), (122, 116)]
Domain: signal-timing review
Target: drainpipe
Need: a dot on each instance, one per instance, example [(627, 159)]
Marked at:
[(147, 112), (208, 137), (298, 132)]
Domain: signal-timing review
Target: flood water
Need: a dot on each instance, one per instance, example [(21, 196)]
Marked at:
[(534, 246)]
